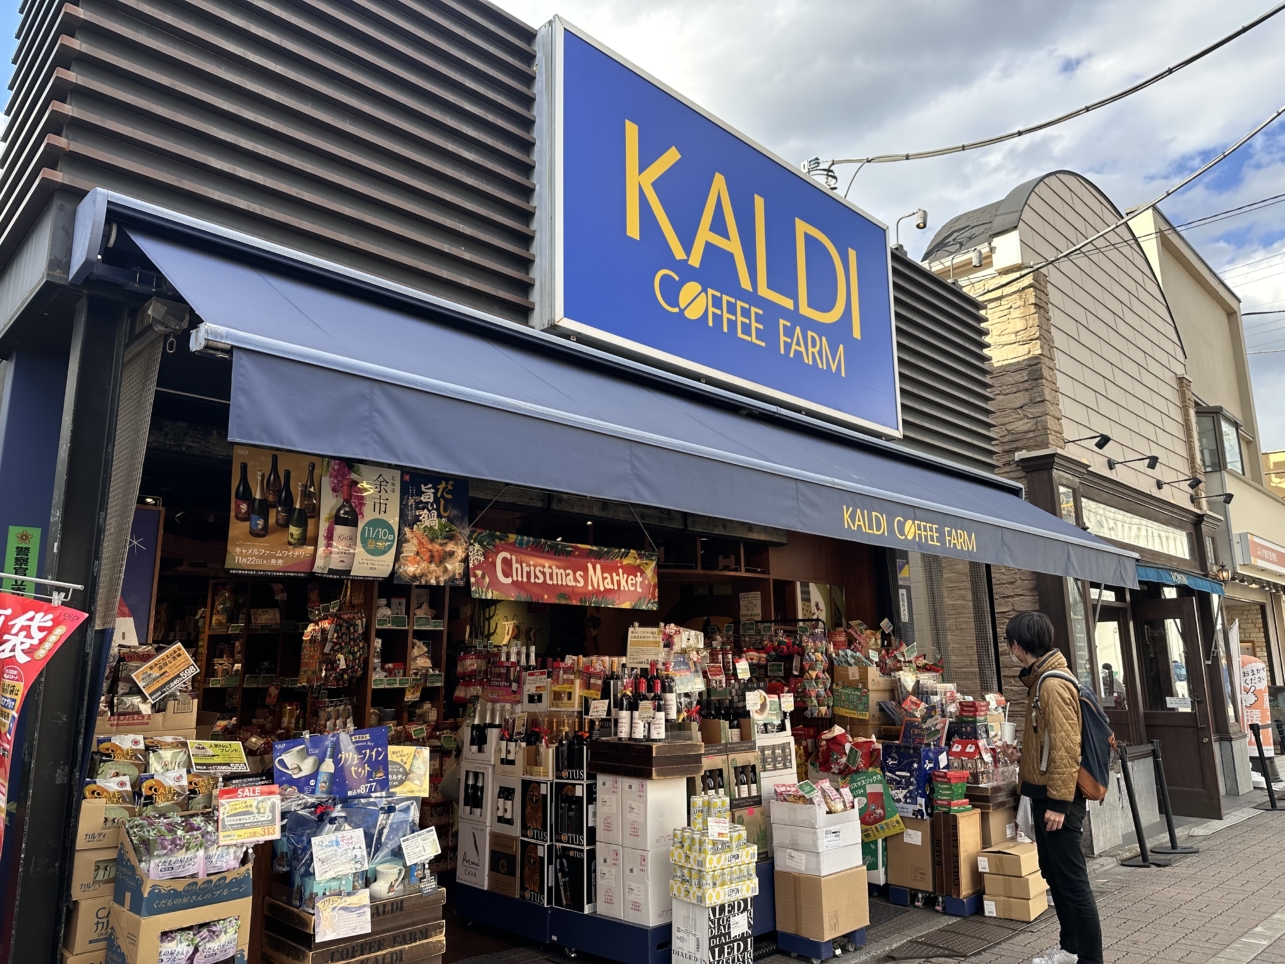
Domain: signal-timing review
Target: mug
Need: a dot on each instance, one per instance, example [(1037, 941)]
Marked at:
[(296, 761), (388, 881)]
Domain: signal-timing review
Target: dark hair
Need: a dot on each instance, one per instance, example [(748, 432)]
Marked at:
[(1032, 631)]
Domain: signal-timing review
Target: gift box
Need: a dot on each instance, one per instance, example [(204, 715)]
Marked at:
[(908, 772)]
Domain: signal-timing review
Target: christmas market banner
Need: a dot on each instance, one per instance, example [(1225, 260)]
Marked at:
[(30, 633), (432, 547), (275, 511), (523, 569), (358, 534)]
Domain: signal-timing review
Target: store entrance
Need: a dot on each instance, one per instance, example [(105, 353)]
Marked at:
[(1175, 705)]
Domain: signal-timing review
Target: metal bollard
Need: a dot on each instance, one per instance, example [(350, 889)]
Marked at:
[(1144, 858), (1162, 785), (1267, 777)]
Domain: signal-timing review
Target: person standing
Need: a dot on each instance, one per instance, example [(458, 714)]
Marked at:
[(1048, 772)]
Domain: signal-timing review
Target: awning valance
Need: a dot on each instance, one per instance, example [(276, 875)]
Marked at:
[(1176, 577)]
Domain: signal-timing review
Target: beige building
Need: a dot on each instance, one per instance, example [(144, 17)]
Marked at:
[(1274, 472), (1096, 415), (1251, 541)]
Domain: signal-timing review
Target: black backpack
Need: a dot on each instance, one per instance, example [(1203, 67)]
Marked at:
[(1097, 742)]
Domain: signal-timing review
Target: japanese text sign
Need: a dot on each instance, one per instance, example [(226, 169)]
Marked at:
[(249, 814), (432, 546), (165, 674), (673, 237)]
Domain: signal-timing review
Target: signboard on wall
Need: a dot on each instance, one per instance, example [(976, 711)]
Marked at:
[(503, 566), (669, 237), (273, 521), (432, 545)]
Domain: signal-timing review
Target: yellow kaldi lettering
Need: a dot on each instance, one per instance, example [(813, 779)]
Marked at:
[(856, 303), (705, 235), (644, 181), (760, 257), (803, 231)]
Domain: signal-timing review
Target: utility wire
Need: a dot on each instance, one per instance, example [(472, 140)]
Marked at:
[(1104, 102), (1136, 211)]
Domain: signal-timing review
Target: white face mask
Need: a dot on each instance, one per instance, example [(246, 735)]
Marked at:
[(1013, 656)]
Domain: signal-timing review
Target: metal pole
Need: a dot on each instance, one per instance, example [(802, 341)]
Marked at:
[(1144, 858), (1162, 786), (1267, 777)]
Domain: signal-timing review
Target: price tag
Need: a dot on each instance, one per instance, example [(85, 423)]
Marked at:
[(913, 837), (755, 702), (644, 646), (419, 848), (339, 854), (912, 651), (646, 711), (598, 709), (165, 674), (715, 673), (787, 702), (217, 756), (886, 625), (343, 915), (249, 814), (718, 827), (742, 668), (776, 668), (751, 606)]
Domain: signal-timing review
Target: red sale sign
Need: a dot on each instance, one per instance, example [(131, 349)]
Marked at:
[(30, 633)]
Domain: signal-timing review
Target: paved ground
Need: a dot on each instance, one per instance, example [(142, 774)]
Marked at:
[(1225, 905)]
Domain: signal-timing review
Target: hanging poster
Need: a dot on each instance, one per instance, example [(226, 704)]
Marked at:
[(30, 633), (274, 511), (358, 534), (432, 546), (524, 569)]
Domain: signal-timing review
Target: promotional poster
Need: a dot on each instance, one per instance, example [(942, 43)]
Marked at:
[(521, 568), (358, 535), (274, 511), (432, 547)]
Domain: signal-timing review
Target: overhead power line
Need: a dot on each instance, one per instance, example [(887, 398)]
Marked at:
[(1088, 108), (1025, 272)]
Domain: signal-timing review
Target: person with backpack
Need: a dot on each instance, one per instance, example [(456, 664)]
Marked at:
[(1051, 776)]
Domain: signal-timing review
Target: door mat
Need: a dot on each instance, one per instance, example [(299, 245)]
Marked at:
[(964, 938), (881, 912)]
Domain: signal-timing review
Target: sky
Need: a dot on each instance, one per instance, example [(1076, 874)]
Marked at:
[(844, 78)]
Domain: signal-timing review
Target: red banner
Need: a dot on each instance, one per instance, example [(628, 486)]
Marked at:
[(30, 633), (524, 569)]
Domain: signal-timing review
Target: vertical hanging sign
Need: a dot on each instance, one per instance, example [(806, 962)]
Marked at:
[(432, 547), (21, 556), (359, 534)]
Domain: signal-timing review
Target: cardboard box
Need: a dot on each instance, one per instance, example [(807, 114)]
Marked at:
[(472, 855), (808, 815), (743, 764), (957, 840), (611, 899), (868, 676), (646, 879), (575, 811), (910, 856), (715, 772), (502, 866), (1023, 888), (758, 829), (822, 908), (818, 864), (999, 827), (1010, 860), (477, 794), (651, 809), (95, 830), (177, 719), (93, 957), (1014, 908), (576, 878), (141, 896), (714, 935), (488, 753), (610, 817), (508, 807), (86, 930), (535, 872), (135, 940), (537, 810), (93, 873), (817, 840)]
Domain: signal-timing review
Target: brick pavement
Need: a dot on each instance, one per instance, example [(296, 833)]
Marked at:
[(1185, 914)]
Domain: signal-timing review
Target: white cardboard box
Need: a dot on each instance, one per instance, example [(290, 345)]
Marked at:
[(611, 899), (646, 879), (818, 864), (816, 840), (508, 806), (488, 753), (610, 824), (722, 934), (473, 856), (651, 809), (477, 794), (809, 815)]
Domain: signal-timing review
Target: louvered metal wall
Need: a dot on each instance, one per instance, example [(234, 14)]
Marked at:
[(941, 350), (391, 135)]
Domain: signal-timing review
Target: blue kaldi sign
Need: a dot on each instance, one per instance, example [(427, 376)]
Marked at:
[(668, 236)]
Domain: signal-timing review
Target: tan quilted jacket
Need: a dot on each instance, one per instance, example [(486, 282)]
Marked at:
[(1060, 716)]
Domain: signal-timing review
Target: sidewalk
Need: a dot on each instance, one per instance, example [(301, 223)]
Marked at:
[(1225, 905)]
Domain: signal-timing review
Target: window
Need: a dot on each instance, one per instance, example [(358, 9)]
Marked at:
[(1066, 503), (1231, 447), (1079, 632), (1121, 526), (1219, 440), (1207, 429), (1111, 686)]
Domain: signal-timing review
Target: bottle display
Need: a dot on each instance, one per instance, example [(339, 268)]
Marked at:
[(343, 548), (285, 503), (243, 496), (259, 509), (274, 483)]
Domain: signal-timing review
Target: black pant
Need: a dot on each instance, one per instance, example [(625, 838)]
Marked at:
[(1062, 864)]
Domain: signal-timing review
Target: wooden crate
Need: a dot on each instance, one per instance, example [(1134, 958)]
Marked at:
[(406, 930), (649, 761)]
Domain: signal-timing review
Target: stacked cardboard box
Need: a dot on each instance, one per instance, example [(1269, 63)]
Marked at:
[(957, 840), (1011, 877), (910, 856), (820, 875), (92, 881), (723, 934), (635, 829), (477, 809)]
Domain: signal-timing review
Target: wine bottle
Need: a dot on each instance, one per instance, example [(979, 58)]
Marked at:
[(297, 534), (242, 497), (325, 772), (309, 499), (624, 715), (285, 503), (742, 782), (669, 697), (259, 509), (638, 725), (343, 548), (274, 483)]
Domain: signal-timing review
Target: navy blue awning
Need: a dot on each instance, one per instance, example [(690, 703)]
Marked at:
[(322, 370), (1176, 577)]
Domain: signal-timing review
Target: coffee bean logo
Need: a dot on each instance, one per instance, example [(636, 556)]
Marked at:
[(692, 300)]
